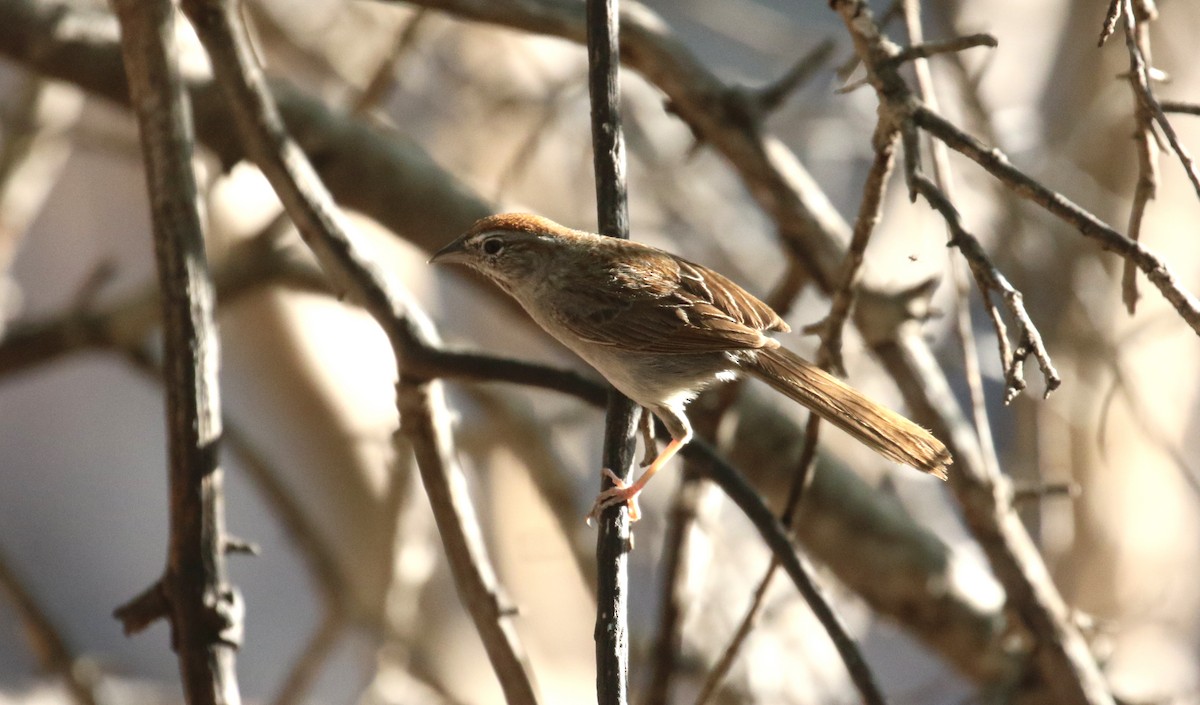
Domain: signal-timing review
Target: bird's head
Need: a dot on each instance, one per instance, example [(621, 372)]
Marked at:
[(510, 248)]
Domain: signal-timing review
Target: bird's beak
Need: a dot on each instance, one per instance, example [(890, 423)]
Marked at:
[(454, 253)]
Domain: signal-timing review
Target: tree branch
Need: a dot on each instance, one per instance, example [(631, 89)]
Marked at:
[(204, 609), (614, 540)]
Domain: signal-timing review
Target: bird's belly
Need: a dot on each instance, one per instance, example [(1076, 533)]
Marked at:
[(650, 379), (655, 379)]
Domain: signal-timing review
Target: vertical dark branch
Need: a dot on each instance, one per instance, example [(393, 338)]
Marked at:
[(612, 546), (204, 610)]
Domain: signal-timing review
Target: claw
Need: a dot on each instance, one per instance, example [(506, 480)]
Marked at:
[(620, 493)]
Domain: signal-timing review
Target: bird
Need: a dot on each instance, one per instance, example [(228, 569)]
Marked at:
[(661, 329)]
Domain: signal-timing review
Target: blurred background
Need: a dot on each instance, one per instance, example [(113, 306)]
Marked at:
[(350, 600)]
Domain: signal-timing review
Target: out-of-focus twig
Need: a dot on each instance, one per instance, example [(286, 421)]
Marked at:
[(47, 643)]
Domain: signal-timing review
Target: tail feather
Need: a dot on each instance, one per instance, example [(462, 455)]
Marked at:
[(882, 429)]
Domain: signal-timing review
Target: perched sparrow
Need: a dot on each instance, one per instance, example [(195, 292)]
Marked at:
[(661, 329)]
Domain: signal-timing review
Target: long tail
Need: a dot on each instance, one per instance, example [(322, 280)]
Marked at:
[(882, 429)]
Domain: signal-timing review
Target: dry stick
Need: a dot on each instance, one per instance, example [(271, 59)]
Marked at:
[(1088, 225), (1137, 41), (1177, 106), (308, 665), (53, 654), (204, 610), (928, 49), (383, 79), (1061, 654), (1139, 64), (612, 214), (943, 177), (989, 279), (870, 211), (423, 415), (673, 598), (1111, 17)]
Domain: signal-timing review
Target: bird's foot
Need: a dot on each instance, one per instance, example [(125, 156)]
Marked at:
[(620, 493)]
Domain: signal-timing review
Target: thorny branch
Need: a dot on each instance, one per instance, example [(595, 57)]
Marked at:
[(204, 610)]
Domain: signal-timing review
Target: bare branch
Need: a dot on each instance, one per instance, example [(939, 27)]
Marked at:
[(145, 609), (613, 541), (1110, 21), (997, 164), (928, 49), (989, 279), (1176, 106), (205, 610), (1137, 41), (944, 179)]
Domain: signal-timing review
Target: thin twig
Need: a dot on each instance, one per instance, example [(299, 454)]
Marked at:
[(1178, 106), (45, 639), (1137, 43), (383, 79), (800, 483), (769, 98), (829, 356), (943, 177), (205, 610), (1062, 657), (674, 596), (989, 279), (869, 211), (1064, 661), (928, 49), (308, 665), (323, 228), (1111, 17), (792, 561), (1088, 225)]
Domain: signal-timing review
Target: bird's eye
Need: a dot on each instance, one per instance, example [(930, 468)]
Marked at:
[(492, 246)]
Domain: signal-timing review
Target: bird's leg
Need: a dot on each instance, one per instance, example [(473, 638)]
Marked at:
[(649, 446), (622, 492)]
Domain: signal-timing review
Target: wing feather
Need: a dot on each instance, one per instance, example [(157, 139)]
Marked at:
[(652, 301)]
